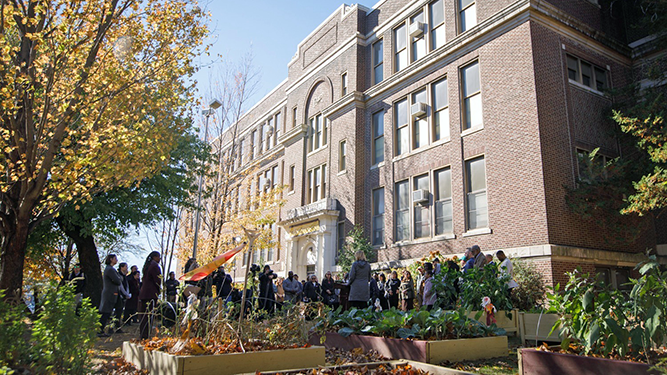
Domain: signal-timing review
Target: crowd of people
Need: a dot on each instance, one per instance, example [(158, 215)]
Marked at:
[(128, 293)]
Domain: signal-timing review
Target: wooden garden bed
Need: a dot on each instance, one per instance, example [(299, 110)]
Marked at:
[(535, 327), (420, 350), (158, 362), (538, 362), (431, 369)]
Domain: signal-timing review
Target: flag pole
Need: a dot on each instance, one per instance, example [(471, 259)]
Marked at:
[(252, 235)]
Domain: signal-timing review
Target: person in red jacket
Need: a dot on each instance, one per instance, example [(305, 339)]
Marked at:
[(150, 289)]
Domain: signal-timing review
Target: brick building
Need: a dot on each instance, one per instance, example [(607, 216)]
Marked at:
[(436, 125)]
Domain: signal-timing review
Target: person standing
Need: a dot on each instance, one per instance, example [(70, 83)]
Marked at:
[(110, 291), (291, 288), (407, 291), (375, 291), (313, 290), (150, 290), (123, 296), (506, 268), (223, 284), (480, 258), (133, 302), (392, 289), (382, 291), (78, 279), (420, 284), (267, 297), (171, 286), (360, 275), (328, 291), (429, 292)]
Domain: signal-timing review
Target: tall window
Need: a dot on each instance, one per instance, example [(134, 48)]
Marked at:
[(401, 47), (342, 154), (294, 115), (378, 217), (422, 210), (269, 132), (260, 139), (420, 123), (343, 83), (440, 110), (468, 14), (476, 186), (402, 134), (275, 178), (402, 202), (378, 58), (240, 154), (378, 137), (276, 130), (472, 96), (253, 144), (292, 174), (318, 132), (586, 73), (443, 202), (419, 41), (316, 183), (437, 23)]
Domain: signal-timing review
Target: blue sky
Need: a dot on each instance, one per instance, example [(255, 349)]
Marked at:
[(271, 30)]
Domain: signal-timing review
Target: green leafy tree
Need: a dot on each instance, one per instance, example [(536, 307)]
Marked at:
[(355, 241)]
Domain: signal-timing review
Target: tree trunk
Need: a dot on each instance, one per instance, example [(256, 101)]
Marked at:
[(88, 258), (14, 244)]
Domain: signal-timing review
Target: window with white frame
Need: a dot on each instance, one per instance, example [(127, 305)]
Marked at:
[(477, 205), (253, 145), (275, 177), (436, 12), (400, 47), (472, 96), (343, 84), (378, 217), (316, 184), (440, 110), (467, 15), (269, 131), (378, 58), (418, 42), (402, 128), (402, 217), (421, 207), (443, 201), (294, 116), (260, 139), (292, 175), (378, 137), (318, 132), (420, 136), (240, 154), (276, 129), (342, 154), (586, 73)]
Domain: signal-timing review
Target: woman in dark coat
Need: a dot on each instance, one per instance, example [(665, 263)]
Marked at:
[(382, 291), (392, 290), (133, 303), (328, 291), (150, 289), (407, 292), (360, 275), (267, 297), (313, 290), (110, 292)]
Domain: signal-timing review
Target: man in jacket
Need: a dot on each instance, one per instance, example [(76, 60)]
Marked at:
[(480, 258), (291, 288)]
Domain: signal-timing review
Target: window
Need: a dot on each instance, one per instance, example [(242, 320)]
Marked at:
[(276, 129), (418, 42), (292, 174), (294, 114), (343, 83), (420, 123), (378, 217), (586, 73), (316, 184), (440, 110), (401, 48), (476, 186), (260, 139), (443, 202), (378, 137), (468, 14), (402, 211), (253, 144), (422, 210), (318, 132), (240, 155), (269, 132), (275, 178), (590, 170), (437, 23), (472, 96), (378, 58), (342, 153), (402, 134)]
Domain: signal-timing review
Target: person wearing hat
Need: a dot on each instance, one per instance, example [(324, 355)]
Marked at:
[(78, 279)]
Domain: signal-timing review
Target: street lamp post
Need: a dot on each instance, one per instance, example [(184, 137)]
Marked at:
[(215, 104)]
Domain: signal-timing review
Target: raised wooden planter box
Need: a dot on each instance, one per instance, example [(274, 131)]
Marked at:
[(420, 350), (510, 325), (163, 363), (536, 362), (431, 369), (534, 327)]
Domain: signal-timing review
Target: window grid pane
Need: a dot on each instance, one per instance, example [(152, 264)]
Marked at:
[(402, 211), (476, 194), (378, 216), (437, 22), (401, 49), (468, 14), (378, 59), (402, 136), (422, 211), (378, 137)]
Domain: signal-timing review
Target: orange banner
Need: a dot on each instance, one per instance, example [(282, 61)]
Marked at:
[(205, 270)]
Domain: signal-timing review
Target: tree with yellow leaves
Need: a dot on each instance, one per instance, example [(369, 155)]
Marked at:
[(92, 94)]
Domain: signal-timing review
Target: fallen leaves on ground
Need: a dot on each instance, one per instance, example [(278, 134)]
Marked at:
[(339, 357), (654, 356), (197, 346), (119, 366), (365, 370)]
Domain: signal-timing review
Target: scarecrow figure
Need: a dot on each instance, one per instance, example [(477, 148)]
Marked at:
[(490, 310)]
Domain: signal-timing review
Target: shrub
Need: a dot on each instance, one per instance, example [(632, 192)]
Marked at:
[(356, 241), (530, 294), (13, 348)]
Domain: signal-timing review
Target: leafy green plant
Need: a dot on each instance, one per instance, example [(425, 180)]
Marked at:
[(63, 334), (605, 322), (531, 290), (356, 241), (478, 284), (13, 348)]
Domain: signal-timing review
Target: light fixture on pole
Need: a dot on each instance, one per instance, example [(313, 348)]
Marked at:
[(213, 105)]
